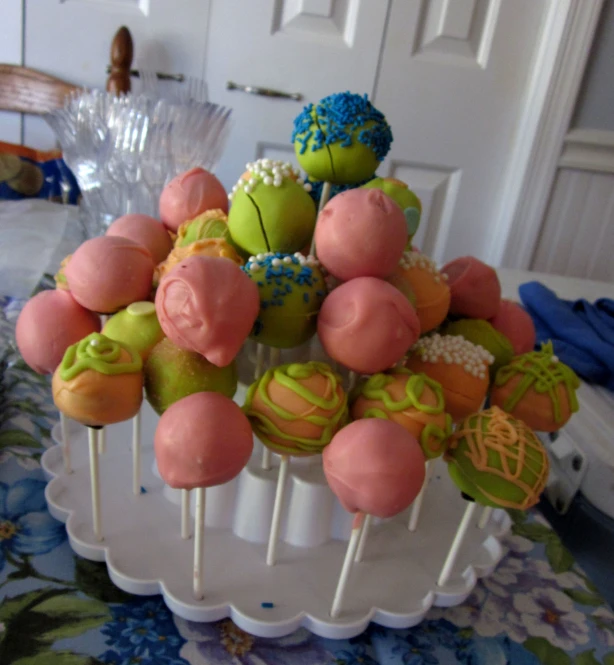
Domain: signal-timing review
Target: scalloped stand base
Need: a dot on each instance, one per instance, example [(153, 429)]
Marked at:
[(394, 585)]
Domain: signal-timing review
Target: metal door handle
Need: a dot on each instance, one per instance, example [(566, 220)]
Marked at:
[(264, 92)]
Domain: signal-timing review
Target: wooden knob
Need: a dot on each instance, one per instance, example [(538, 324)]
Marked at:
[(121, 62)]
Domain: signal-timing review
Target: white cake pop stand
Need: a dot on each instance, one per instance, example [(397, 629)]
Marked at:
[(394, 585)]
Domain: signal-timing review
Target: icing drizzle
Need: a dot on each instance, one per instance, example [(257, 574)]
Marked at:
[(99, 354), (494, 443), (290, 377), (342, 118), (432, 437), (542, 371)]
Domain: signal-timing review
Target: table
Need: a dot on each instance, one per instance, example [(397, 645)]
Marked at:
[(57, 609)]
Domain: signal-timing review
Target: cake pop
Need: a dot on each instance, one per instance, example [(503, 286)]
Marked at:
[(208, 305), (48, 324), (201, 441), (137, 326), (271, 210), (474, 286), (108, 273), (60, 277), (188, 195), (342, 139), (292, 290), (209, 224), (360, 233), (538, 389), (374, 467), (172, 373), (367, 325), (407, 200), (482, 333), (296, 409), (513, 321), (413, 401), (417, 274), (99, 381), (458, 365), (208, 247), (146, 231), (497, 460)]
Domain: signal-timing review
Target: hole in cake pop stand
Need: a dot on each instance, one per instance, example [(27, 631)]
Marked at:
[(394, 585)]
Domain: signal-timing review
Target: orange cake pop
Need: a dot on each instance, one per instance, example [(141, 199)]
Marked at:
[(99, 382), (458, 365), (414, 401), (428, 285), (296, 409), (538, 389)]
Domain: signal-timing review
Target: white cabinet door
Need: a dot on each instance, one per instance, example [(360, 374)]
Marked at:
[(10, 54), (311, 47), (454, 83), (72, 39)]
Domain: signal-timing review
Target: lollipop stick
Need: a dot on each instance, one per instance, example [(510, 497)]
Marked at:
[(324, 196), (448, 565), (363, 538), (199, 543), (350, 555), (95, 481), (185, 514), (279, 500), (417, 505), (266, 458), (136, 454), (274, 357), (102, 441), (259, 361), (352, 377), (65, 443), (485, 517)]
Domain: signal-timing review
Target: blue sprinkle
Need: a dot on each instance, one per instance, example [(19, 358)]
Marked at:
[(306, 296), (143, 490), (320, 293), (288, 288), (267, 606)]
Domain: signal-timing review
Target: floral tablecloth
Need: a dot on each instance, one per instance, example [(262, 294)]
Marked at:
[(59, 609)]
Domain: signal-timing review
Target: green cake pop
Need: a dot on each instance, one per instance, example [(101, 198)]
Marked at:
[(497, 460), (172, 373), (137, 326), (292, 290), (342, 139), (271, 209)]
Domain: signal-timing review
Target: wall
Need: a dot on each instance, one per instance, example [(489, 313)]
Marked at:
[(577, 235), (11, 54)]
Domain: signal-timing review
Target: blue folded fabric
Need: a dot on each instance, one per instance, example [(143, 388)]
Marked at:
[(582, 334)]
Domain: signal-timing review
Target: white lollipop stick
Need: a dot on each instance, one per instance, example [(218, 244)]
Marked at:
[(185, 514), (448, 565), (417, 505), (485, 517), (199, 543), (271, 554), (363, 538), (346, 569), (136, 454), (102, 441), (324, 196), (95, 481), (274, 357), (352, 378), (258, 370), (65, 443)]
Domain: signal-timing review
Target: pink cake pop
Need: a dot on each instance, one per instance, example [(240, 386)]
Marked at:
[(146, 231), (374, 466), (367, 325), (109, 272), (48, 324), (202, 440), (208, 305), (360, 233), (474, 287), (516, 324), (188, 195)]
